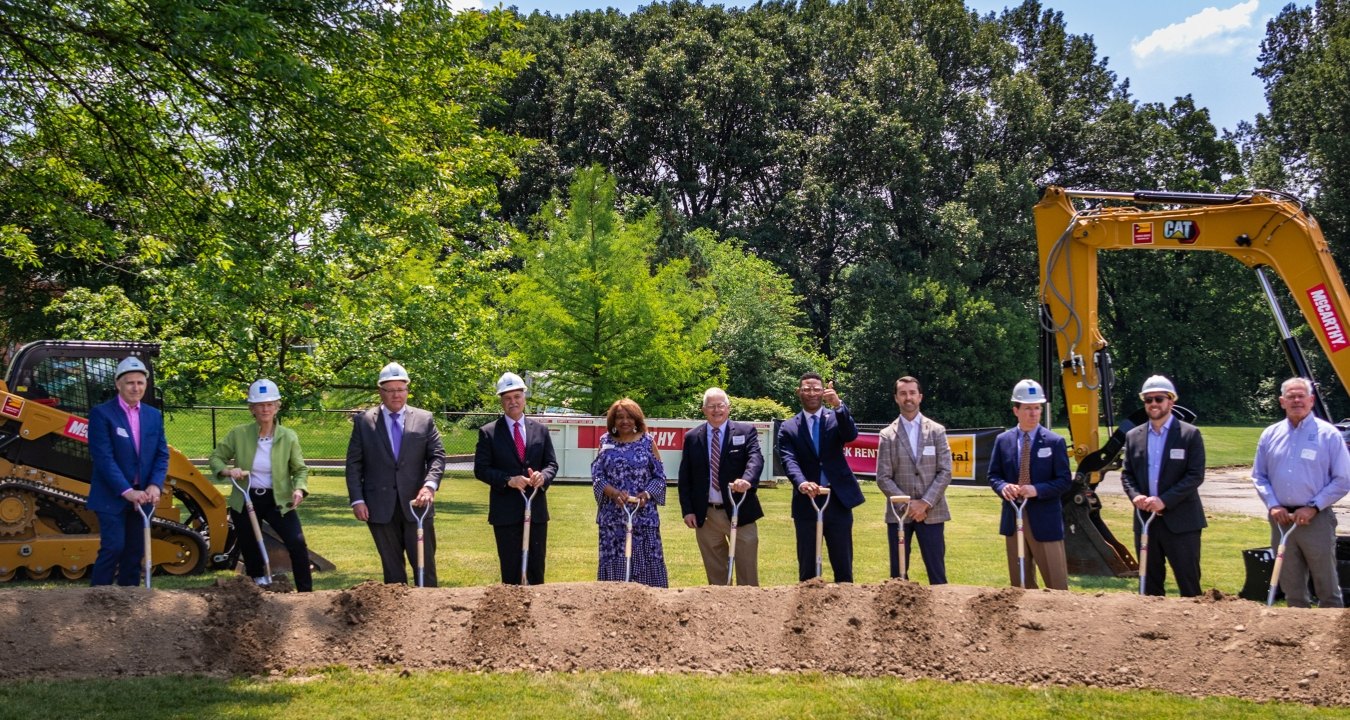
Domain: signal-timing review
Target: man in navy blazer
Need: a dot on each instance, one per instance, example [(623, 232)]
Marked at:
[(816, 459), (1030, 461), (515, 454), (130, 458), (1163, 469), (706, 501)]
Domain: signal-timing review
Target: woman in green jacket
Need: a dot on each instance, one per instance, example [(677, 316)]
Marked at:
[(269, 455)]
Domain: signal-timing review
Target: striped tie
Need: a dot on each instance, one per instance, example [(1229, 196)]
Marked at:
[(715, 463)]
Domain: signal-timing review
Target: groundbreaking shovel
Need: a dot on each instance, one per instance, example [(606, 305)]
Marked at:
[(630, 510), (1279, 562), (1143, 545), (1021, 543), (820, 528), (421, 542), (735, 520), (146, 515), (900, 517), (525, 540), (257, 529)]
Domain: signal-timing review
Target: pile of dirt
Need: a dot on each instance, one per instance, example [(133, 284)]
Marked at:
[(1214, 645)]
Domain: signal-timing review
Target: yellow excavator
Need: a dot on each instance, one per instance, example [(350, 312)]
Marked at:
[(45, 527), (1261, 229)]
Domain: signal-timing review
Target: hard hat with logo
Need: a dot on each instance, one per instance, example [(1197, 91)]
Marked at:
[(1028, 392), (262, 391), (508, 382), (1158, 383), (130, 364), (393, 371)]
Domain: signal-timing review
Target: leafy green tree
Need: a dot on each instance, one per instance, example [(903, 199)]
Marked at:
[(590, 312), (302, 191)]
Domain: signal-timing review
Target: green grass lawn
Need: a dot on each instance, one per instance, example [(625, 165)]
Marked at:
[(341, 693), (1225, 445)]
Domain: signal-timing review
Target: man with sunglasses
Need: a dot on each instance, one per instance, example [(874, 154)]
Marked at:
[(1163, 468)]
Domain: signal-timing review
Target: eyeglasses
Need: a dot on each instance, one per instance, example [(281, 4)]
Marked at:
[(1155, 399), (716, 406)]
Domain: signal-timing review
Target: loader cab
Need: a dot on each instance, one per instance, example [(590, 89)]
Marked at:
[(75, 375)]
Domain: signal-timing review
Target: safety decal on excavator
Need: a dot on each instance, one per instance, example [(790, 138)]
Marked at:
[(13, 406), (1184, 231), (1143, 233), (77, 428), (1333, 326)]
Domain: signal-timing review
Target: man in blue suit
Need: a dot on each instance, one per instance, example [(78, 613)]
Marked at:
[(1031, 462), (811, 446), (131, 458)]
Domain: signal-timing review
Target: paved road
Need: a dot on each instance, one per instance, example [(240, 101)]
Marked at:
[(1230, 490)]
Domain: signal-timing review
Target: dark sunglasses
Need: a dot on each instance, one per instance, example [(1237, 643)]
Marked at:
[(1154, 399)]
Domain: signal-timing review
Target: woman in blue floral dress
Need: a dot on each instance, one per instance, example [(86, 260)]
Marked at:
[(628, 464)]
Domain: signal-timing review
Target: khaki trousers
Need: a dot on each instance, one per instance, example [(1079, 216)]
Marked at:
[(1048, 556), (714, 540)]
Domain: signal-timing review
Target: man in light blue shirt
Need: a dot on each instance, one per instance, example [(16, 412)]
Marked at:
[(1301, 469)]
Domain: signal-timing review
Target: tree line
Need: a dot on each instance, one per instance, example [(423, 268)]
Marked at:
[(640, 204)]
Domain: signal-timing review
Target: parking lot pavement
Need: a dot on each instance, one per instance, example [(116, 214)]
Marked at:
[(1230, 489)]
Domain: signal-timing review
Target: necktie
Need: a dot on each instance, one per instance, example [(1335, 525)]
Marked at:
[(815, 440), (1024, 467), (715, 462), (520, 442), (396, 438)]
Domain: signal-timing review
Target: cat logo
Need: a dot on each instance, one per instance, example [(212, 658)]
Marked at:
[(1184, 231)]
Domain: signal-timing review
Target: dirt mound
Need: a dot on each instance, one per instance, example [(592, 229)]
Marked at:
[(1214, 645)]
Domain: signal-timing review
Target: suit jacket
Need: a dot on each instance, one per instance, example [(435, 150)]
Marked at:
[(495, 462), (1044, 513), (799, 458), (118, 467), (386, 484), (240, 446), (741, 460), (923, 478), (1179, 478)]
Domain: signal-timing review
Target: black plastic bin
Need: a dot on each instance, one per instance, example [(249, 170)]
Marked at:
[(1260, 561)]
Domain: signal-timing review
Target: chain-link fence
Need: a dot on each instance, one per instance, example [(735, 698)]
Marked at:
[(323, 433)]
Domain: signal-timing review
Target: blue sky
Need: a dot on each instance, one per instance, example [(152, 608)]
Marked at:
[(1167, 48)]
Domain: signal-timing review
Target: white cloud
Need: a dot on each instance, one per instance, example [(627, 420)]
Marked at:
[(1209, 32)]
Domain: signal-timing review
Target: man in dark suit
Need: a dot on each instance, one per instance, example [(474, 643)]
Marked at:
[(131, 458), (514, 455), (1164, 467), (811, 446), (1031, 462), (705, 497), (395, 457)]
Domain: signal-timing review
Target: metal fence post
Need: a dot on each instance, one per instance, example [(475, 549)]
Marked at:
[(214, 441)]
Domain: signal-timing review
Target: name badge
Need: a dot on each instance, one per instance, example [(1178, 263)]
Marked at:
[(122, 432), (1178, 454), (1043, 452), (737, 439), (929, 450), (1309, 454), (606, 446)]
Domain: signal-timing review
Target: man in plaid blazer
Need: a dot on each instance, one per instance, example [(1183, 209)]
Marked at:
[(913, 459)]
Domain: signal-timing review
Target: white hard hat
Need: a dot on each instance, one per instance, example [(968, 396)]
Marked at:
[(508, 382), (1028, 392), (393, 371), (263, 391), (131, 364), (1158, 383)]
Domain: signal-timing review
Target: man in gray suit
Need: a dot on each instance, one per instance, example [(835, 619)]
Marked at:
[(913, 459), (395, 457)]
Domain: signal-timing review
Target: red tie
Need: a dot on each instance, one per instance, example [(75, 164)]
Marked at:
[(520, 443)]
